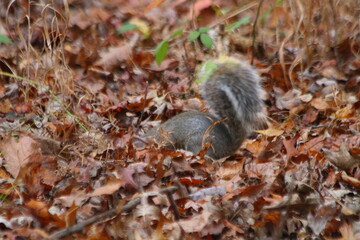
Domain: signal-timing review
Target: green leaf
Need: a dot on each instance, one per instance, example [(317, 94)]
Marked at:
[(193, 35), (206, 71), (234, 25), (161, 51), (126, 27), (176, 33), (162, 48), (5, 39), (203, 29), (206, 40)]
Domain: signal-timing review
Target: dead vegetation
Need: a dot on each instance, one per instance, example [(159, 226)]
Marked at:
[(74, 93)]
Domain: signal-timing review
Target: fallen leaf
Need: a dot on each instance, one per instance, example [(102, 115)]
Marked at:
[(233, 226), (342, 159), (310, 116), (345, 112), (333, 73), (17, 152), (288, 100), (114, 56), (319, 104), (306, 97), (350, 180), (229, 170), (107, 189), (290, 146), (203, 222), (271, 131), (348, 232)]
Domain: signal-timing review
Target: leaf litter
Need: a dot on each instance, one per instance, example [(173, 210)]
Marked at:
[(297, 179)]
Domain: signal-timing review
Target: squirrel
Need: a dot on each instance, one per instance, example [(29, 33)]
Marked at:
[(232, 93)]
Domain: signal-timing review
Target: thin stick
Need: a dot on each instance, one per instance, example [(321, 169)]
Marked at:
[(234, 13), (254, 32), (143, 108), (106, 215), (173, 204)]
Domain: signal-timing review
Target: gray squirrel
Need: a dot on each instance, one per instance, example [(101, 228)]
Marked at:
[(232, 93)]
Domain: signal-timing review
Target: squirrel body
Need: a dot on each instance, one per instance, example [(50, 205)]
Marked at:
[(232, 93)]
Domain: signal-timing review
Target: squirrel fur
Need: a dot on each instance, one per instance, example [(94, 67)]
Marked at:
[(233, 95)]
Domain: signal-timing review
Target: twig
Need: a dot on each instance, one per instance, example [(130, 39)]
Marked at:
[(108, 214), (234, 13), (173, 204), (80, 226), (143, 108), (254, 32), (137, 180)]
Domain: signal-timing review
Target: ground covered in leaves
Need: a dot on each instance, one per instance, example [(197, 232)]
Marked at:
[(81, 80)]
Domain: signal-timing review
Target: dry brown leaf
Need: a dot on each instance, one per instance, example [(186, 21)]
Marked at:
[(290, 147), (350, 180), (342, 159), (81, 19), (203, 222), (333, 73), (114, 56), (271, 131), (345, 112), (306, 97), (41, 208), (319, 104), (246, 192), (316, 143), (17, 152), (288, 125), (172, 230), (348, 233), (233, 226), (321, 216), (4, 174), (146, 213), (48, 146), (310, 116), (289, 100), (94, 86), (229, 170), (107, 189), (255, 147), (76, 198)]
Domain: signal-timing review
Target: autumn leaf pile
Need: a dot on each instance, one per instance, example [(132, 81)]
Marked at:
[(80, 82)]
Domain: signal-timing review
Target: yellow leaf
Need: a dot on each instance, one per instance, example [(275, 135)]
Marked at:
[(271, 132), (142, 26)]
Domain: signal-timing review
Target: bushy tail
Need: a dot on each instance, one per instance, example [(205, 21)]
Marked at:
[(233, 91)]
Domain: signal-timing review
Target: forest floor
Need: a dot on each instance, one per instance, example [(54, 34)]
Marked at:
[(80, 80)]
